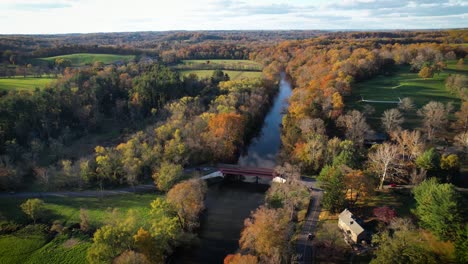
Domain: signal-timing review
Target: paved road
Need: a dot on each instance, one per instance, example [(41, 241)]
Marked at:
[(304, 247), (97, 193)]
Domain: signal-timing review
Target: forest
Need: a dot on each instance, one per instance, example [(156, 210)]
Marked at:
[(379, 119)]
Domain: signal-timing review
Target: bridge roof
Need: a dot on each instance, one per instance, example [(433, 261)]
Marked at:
[(249, 171)]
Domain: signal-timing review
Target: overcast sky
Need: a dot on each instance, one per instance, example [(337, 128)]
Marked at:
[(83, 16)]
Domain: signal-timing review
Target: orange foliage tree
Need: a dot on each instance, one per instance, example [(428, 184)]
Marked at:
[(225, 134)]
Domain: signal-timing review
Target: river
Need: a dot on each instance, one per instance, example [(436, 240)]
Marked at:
[(229, 203)]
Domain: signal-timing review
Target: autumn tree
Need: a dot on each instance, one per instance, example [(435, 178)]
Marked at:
[(167, 175), (385, 214), (109, 167), (146, 245), (426, 72), (435, 118), (225, 135), (131, 257), (266, 233), (410, 144), (383, 160), (451, 166), (34, 208), (84, 220), (358, 185), (392, 120), (461, 122), (406, 104), (240, 259), (187, 199), (461, 140), (355, 126)]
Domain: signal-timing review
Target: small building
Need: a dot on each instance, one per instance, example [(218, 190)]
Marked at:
[(351, 226)]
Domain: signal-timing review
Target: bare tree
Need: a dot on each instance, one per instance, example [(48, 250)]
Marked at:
[(461, 140), (406, 104), (355, 125), (368, 110), (435, 118), (312, 126), (392, 120), (288, 171), (410, 143), (383, 160)]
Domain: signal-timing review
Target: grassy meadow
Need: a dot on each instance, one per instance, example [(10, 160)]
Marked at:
[(33, 244), (403, 83), (236, 69), (81, 59), (222, 64), (233, 75), (67, 209), (21, 83)]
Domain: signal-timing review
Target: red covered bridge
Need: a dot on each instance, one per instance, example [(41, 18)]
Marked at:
[(247, 171)]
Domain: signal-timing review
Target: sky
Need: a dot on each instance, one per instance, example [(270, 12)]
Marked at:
[(89, 16)]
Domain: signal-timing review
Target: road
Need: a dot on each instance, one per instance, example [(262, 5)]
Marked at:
[(97, 193), (304, 247)]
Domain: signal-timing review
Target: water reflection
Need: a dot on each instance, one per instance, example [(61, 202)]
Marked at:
[(263, 150)]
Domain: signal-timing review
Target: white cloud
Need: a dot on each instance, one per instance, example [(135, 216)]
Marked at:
[(68, 16)]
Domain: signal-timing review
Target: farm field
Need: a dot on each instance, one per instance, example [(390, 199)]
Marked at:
[(234, 75), (81, 59), (404, 83), (236, 69), (21, 83), (220, 64)]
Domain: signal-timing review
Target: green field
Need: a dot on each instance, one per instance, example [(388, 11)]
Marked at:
[(67, 209), (221, 64), (403, 83), (81, 59), (233, 75), (20, 83), (236, 69), (34, 245)]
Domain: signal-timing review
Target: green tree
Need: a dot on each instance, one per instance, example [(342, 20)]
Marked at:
[(451, 165), (34, 208), (332, 181), (437, 207), (429, 160), (399, 248), (167, 175), (112, 239), (461, 245)]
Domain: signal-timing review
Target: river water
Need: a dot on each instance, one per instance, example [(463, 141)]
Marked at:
[(229, 203)]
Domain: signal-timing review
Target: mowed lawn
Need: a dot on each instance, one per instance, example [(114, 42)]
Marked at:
[(81, 59), (404, 83), (233, 75), (21, 83)]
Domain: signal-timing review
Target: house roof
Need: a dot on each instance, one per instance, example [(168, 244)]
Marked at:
[(351, 221)]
